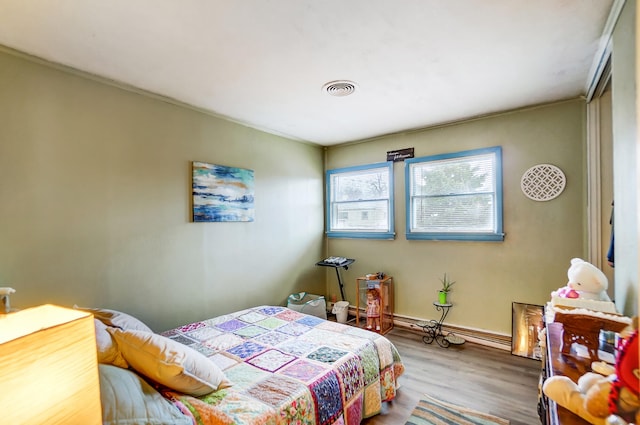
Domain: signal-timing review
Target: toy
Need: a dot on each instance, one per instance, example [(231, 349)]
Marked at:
[(583, 327), (373, 309), (586, 281), (612, 391), (566, 292)]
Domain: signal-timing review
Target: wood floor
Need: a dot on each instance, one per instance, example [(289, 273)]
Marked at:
[(483, 378)]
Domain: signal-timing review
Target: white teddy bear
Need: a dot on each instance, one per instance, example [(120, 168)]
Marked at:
[(586, 281)]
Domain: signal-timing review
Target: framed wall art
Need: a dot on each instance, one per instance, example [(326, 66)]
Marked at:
[(222, 193)]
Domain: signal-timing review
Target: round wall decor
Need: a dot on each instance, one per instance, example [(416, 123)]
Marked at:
[(543, 182)]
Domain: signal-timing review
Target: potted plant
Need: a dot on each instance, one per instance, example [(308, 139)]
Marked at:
[(446, 287)]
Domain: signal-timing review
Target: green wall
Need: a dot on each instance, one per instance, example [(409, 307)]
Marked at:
[(95, 203), (95, 193), (541, 237)]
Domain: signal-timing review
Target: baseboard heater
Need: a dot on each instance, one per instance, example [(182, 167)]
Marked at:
[(489, 339)]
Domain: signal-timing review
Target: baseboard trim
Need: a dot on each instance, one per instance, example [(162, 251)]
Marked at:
[(479, 337), (489, 339)]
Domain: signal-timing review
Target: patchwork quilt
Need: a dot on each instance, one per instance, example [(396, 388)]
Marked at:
[(287, 367)]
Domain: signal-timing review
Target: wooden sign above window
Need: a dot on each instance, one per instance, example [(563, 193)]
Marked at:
[(400, 155)]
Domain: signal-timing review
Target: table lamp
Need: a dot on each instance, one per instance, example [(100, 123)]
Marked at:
[(48, 367)]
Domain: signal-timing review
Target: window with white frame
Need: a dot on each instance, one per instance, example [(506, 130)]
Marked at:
[(360, 202), (455, 196)]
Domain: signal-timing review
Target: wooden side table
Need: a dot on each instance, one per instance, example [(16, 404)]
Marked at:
[(382, 290)]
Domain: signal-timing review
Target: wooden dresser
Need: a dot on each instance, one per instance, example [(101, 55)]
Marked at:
[(555, 363)]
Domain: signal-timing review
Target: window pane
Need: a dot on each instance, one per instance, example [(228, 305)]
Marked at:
[(360, 201), (455, 196), (465, 213), (454, 176), (361, 185), (361, 216)]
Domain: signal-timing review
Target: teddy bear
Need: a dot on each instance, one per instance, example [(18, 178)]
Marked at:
[(586, 281), (609, 395)]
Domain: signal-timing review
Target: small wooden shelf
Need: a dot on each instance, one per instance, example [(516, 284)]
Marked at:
[(383, 288)]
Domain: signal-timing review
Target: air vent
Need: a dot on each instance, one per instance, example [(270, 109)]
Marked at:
[(339, 88)]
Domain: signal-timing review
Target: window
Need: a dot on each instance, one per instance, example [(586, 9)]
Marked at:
[(455, 196), (360, 202)]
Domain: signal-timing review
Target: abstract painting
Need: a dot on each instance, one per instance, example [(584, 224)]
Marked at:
[(222, 193)]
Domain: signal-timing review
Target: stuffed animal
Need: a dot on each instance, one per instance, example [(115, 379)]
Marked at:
[(612, 391), (586, 281)]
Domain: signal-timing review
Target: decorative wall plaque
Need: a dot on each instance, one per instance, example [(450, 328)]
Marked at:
[(400, 155), (543, 182)]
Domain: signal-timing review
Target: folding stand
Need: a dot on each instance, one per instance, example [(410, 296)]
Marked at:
[(343, 265)]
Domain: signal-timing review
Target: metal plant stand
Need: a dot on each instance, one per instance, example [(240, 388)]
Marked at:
[(433, 328)]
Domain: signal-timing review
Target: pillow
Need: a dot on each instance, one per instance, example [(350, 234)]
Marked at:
[(128, 400), (108, 352), (116, 319), (169, 363)]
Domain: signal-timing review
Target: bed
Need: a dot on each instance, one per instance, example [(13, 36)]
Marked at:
[(271, 365)]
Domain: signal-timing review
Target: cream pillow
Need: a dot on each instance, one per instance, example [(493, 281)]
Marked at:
[(168, 362), (107, 349), (128, 400), (116, 319)]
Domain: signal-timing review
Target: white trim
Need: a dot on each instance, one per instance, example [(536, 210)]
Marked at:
[(604, 49), (594, 199)]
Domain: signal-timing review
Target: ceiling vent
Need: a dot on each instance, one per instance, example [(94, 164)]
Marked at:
[(339, 88)]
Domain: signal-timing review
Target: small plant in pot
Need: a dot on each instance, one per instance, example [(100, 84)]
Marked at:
[(446, 288)]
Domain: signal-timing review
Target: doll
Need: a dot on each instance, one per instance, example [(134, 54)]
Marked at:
[(373, 309)]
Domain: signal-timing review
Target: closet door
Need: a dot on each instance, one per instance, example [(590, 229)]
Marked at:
[(606, 182), (600, 172)]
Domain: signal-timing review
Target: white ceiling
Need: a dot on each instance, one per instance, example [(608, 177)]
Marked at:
[(263, 63)]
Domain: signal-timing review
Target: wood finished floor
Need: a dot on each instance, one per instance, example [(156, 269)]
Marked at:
[(482, 378)]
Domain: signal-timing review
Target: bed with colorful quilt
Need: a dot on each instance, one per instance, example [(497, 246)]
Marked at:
[(263, 365)]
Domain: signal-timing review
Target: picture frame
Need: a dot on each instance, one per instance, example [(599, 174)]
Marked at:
[(222, 193), (527, 320)]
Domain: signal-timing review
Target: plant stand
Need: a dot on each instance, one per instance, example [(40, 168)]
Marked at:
[(433, 328)]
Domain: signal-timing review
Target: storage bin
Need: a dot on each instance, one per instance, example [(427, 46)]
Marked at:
[(341, 310), (314, 305)]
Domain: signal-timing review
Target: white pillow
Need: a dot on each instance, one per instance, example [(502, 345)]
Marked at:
[(107, 349), (116, 319), (169, 363), (128, 400)]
